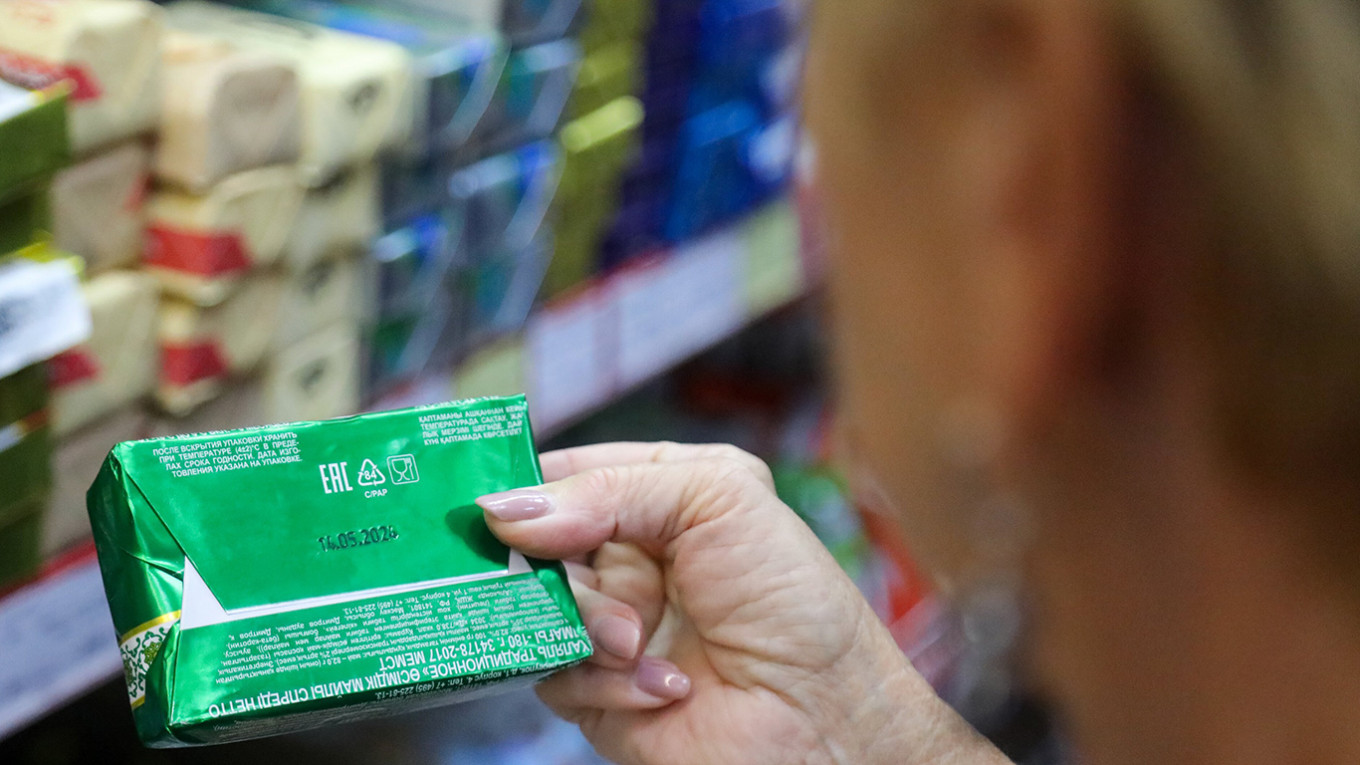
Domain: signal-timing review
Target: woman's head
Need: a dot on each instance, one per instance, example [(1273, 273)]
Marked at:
[(1099, 260)]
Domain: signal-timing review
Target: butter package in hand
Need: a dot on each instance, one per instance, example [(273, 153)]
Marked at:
[(315, 378), (274, 579), (226, 110), (357, 98), (328, 292), (340, 217), (117, 365), (97, 207), (203, 348), (107, 50), (201, 245)]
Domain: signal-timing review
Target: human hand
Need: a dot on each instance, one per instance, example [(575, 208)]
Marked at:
[(726, 632)]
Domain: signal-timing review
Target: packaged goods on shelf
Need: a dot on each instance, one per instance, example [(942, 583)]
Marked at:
[(33, 128), (340, 217), (326, 604), (328, 292), (200, 246), (76, 460), (357, 98), (203, 348), (227, 109), (315, 378), (21, 540), (25, 438), (596, 150), (499, 291), (413, 187), (730, 161), (746, 51), (610, 72), (613, 21), (504, 203), (533, 93), (417, 327), (240, 403), (97, 207), (457, 64), (24, 217), (117, 365), (43, 310), (525, 22), (107, 50)]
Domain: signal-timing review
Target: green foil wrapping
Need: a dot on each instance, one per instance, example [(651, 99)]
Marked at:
[(269, 580)]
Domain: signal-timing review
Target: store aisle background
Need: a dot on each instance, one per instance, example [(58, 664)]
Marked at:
[(279, 210)]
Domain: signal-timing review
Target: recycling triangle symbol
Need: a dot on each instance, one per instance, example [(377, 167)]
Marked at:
[(370, 475)]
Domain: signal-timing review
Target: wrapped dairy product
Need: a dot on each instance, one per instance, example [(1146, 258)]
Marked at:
[(273, 579), (117, 365), (203, 348), (108, 51), (357, 92), (457, 63), (340, 217), (24, 219), (76, 460), (21, 540), (97, 207), (315, 378), (227, 109), (25, 437), (199, 246), (330, 291)]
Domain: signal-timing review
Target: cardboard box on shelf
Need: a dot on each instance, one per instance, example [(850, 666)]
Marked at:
[(340, 217), (202, 349), (97, 207), (109, 52), (227, 110), (333, 592), (76, 460), (329, 292), (357, 92), (199, 246), (316, 378), (117, 365)]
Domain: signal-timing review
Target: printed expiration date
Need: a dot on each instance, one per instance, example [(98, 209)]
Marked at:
[(359, 538)]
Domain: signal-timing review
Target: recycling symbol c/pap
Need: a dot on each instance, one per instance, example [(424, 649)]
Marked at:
[(370, 475)]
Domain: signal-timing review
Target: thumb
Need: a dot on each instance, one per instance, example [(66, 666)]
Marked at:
[(649, 505)]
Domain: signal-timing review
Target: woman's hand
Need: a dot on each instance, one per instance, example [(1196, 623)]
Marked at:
[(725, 632)]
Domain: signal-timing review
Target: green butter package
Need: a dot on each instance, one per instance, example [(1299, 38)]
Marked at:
[(268, 580)]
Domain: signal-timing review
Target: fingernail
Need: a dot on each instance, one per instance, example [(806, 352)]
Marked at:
[(618, 636), (660, 678), (517, 505)]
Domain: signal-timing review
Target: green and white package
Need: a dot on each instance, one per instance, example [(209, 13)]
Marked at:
[(268, 580)]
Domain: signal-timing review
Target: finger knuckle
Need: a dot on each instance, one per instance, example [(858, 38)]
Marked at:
[(747, 460)]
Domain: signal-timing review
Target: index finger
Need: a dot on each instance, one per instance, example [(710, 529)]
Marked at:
[(558, 465)]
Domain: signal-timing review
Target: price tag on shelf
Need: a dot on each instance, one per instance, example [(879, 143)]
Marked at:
[(59, 643), (568, 364), (670, 309), (42, 312)]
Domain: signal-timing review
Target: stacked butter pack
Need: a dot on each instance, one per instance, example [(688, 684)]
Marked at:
[(268, 580)]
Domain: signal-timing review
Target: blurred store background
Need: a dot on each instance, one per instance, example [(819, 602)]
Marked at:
[(216, 215)]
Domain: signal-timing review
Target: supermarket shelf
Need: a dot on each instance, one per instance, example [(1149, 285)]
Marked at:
[(576, 356)]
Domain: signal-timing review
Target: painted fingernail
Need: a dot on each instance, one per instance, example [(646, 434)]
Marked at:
[(617, 635), (517, 505), (660, 678)]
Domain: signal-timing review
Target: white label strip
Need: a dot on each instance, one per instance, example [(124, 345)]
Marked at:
[(42, 313)]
